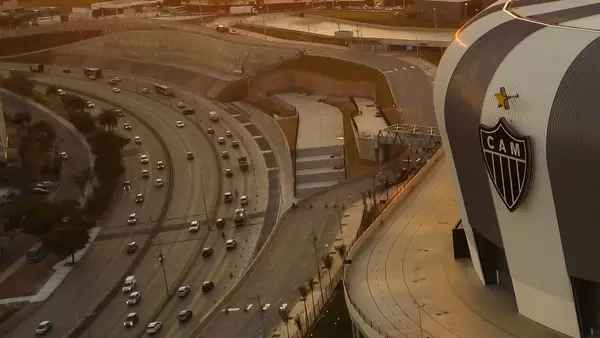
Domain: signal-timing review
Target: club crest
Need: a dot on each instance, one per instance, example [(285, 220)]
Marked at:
[(508, 160)]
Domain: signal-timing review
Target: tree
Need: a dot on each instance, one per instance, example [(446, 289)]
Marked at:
[(328, 264), (73, 103), (65, 241), (284, 314), (82, 120), (303, 296), (310, 285), (43, 133), (22, 117), (108, 119)]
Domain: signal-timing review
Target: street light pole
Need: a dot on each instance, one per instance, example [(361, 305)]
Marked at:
[(161, 260)]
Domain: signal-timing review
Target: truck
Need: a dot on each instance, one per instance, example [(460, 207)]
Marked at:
[(242, 10), (92, 73), (37, 68), (243, 162)]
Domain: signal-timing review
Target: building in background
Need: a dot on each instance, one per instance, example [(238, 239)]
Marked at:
[(449, 13), (124, 7)]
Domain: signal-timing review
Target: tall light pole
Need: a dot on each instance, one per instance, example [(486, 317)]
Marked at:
[(161, 260)]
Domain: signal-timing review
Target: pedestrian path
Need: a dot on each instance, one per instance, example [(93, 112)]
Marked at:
[(404, 282)]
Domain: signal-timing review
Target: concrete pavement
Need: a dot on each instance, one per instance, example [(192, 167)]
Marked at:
[(403, 275)]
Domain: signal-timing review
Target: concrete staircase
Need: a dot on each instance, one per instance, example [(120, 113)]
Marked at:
[(318, 169)]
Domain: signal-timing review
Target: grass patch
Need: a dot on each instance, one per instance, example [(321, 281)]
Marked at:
[(399, 18)]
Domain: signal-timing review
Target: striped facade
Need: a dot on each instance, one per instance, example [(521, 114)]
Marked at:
[(548, 53)]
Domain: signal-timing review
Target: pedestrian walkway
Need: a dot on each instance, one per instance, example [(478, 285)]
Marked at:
[(404, 282)]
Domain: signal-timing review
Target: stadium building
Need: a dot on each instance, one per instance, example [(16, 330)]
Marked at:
[(515, 98)]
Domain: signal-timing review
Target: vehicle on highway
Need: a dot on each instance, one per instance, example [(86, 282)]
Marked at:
[(133, 298), (228, 197), (132, 247), (132, 219), (244, 200), (224, 154), (188, 111), (230, 244), (184, 315), (221, 140), (210, 131), (90, 105), (145, 173), (239, 216), (220, 223), (283, 309), (228, 172), (160, 164), (207, 252), (222, 28), (43, 327), (129, 284), (235, 144), (162, 89), (189, 155), (145, 90), (61, 92), (228, 133), (127, 125), (194, 226), (180, 104), (92, 73), (63, 155), (144, 159), (47, 184), (179, 124), (207, 286), (40, 190), (114, 80), (265, 307), (248, 307), (118, 111), (139, 198), (38, 68), (183, 291), (131, 319), (127, 185), (153, 327), (213, 116), (137, 140), (116, 90), (159, 182), (243, 162)]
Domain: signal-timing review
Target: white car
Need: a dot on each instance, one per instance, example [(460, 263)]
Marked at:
[(127, 125), (133, 298), (221, 140), (153, 328), (90, 104), (145, 90), (129, 284), (43, 327), (230, 244), (137, 140), (131, 319), (145, 173), (63, 155), (180, 104), (179, 124), (132, 219), (61, 92), (159, 182), (139, 198), (116, 90), (228, 133), (194, 226), (228, 172), (213, 116), (160, 164), (183, 290), (244, 200), (144, 159)]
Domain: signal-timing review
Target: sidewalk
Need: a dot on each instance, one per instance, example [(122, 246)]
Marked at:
[(404, 274)]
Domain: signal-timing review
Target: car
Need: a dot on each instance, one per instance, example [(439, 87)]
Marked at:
[(131, 319), (145, 173), (144, 159), (180, 104), (67, 71), (235, 144), (189, 155), (239, 216), (43, 327), (63, 155), (179, 124), (118, 111), (159, 182), (160, 164), (228, 133), (47, 184), (188, 111), (40, 190), (207, 286), (228, 197), (133, 298), (244, 200), (61, 92), (153, 327), (194, 226), (222, 28), (224, 154), (132, 247), (283, 308), (114, 80), (139, 198), (220, 223), (221, 140), (129, 284), (145, 90), (248, 307), (116, 90), (230, 244), (207, 252), (183, 291), (228, 172), (265, 307), (127, 185), (90, 104), (210, 131), (132, 219), (127, 125), (213, 116), (184, 315), (137, 140)]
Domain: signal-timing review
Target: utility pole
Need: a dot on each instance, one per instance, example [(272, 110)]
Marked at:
[(161, 260), (317, 265)]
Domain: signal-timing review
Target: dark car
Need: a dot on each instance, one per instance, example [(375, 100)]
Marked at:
[(184, 315), (188, 111), (220, 223), (207, 252), (207, 286)]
